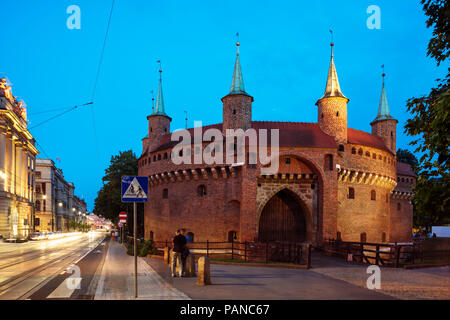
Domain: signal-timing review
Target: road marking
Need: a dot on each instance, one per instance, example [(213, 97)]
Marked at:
[(63, 290)]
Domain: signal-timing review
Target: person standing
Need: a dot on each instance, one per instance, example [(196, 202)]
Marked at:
[(179, 243)]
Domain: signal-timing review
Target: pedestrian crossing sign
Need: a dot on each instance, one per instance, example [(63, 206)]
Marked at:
[(134, 189)]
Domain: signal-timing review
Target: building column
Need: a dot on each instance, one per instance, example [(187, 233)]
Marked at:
[(3, 156)]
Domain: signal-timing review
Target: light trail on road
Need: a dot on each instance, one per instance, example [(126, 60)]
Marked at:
[(23, 267)]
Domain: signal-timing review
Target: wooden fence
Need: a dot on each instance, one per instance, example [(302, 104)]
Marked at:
[(394, 255), (262, 252)]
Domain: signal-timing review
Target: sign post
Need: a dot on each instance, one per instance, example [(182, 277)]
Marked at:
[(134, 189)]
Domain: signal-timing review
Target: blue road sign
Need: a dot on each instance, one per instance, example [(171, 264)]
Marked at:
[(134, 189)]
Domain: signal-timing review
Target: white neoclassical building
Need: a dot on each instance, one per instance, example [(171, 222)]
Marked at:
[(17, 167)]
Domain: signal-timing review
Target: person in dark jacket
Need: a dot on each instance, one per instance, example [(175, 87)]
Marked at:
[(179, 244)]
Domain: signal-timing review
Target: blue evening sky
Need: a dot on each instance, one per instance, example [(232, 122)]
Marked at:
[(285, 56)]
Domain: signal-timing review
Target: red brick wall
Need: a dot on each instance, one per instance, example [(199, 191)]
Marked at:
[(334, 119), (387, 130), (237, 111)]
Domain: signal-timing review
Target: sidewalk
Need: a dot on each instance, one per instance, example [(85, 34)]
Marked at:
[(117, 279)]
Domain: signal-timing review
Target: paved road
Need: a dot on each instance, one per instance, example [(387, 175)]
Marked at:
[(34, 270)]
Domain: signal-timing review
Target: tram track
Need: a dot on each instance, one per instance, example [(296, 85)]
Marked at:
[(13, 281)]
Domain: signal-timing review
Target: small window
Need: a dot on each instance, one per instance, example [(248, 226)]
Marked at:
[(201, 190), (180, 153), (149, 160), (392, 134), (321, 115), (165, 194), (287, 160), (329, 162), (151, 129), (374, 156), (165, 129), (360, 152), (373, 195), (232, 236), (367, 154), (159, 156), (353, 150), (234, 111), (165, 155), (383, 237), (338, 236), (380, 157), (351, 193), (37, 222), (154, 158), (341, 147), (151, 235), (399, 206), (337, 114), (363, 237)]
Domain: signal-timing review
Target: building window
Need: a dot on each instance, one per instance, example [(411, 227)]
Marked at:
[(399, 206), (287, 160), (360, 152), (351, 193), (180, 153), (338, 236), (373, 195), (165, 194), (232, 236), (37, 222), (201, 190), (367, 154), (321, 115), (353, 150), (363, 237), (337, 114), (38, 205), (165, 155), (329, 162), (383, 237), (380, 157), (151, 235), (154, 158), (38, 174), (151, 129), (374, 156), (234, 111), (159, 156)]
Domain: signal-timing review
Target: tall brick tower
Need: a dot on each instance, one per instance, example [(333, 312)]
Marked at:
[(237, 105), (332, 107), (384, 125), (158, 120)]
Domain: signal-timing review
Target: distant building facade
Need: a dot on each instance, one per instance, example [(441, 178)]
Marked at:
[(332, 181), (55, 199), (17, 166)]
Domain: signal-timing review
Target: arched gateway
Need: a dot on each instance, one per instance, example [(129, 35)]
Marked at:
[(282, 219)]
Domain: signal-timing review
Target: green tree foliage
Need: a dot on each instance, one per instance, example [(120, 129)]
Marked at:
[(430, 125), (408, 157), (108, 202)]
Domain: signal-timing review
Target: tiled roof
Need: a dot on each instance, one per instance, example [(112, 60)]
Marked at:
[(405, 169), (296, 134), (366, 139)]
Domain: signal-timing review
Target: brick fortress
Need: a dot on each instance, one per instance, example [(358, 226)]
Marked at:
[(333, 181)]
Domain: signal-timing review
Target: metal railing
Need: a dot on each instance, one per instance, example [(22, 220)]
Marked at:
[(261, 252)]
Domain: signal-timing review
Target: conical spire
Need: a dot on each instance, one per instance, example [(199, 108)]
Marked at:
[(159, 108), (237, 84), (332, 89), (383, 107)]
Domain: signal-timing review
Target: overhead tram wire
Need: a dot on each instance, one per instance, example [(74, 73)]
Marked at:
[(98, 74), (60, 114)]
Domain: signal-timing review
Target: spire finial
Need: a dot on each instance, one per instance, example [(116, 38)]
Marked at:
[(237, 84), (332, 88), (186, 118), (383, 107), (159, 108)]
